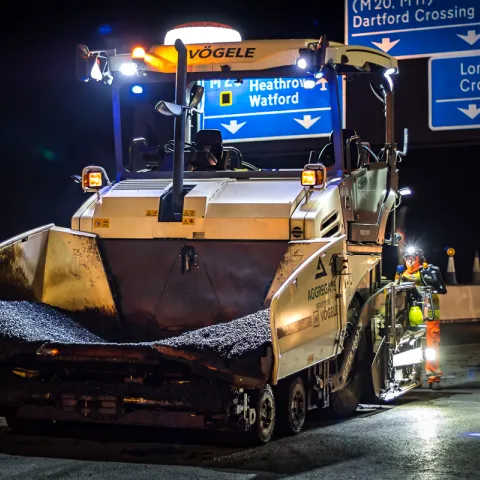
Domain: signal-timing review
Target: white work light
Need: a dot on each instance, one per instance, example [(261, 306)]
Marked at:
[(430, 354), (309, 84), (128, 69), (405, 191), (302, 63), (202, 32), (96, 73)]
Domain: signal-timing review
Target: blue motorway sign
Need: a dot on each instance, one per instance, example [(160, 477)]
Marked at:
[(267, 109), (413, 28), (454, 92)]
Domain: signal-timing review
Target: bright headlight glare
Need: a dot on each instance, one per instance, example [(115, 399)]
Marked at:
[(138, 52), (430, 354), (302, 63), (128, 68), (96, 72), (309, 84)]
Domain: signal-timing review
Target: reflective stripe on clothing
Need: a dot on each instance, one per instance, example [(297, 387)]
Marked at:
[(432, 367)]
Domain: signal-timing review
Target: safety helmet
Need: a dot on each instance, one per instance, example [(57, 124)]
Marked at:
[(415, 316), (414, 252)]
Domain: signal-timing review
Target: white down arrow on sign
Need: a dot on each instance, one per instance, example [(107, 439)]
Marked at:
[(472, 111), (307, 121), (233, 127)]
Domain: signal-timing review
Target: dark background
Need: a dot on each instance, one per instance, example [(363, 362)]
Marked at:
[(52, 126)]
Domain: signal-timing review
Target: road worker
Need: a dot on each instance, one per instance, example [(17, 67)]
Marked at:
[(412, 272)]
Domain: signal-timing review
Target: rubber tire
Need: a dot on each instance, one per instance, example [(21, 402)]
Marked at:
[(364, 370), (344, 403), (360, 384), (257, 434), (287, 423)]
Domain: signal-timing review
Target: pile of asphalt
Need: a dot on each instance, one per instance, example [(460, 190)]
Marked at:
[(228, 340), (36, 322)]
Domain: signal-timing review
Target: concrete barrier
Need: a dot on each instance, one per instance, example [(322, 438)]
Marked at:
[(461, 303)]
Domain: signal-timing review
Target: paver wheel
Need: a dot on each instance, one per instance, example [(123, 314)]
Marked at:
[(292, 406), (262, 430)]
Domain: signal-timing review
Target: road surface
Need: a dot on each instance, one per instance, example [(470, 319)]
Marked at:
[(424, 435)]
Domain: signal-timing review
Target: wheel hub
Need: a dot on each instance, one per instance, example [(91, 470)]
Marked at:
[(266, 414), (297, 407)]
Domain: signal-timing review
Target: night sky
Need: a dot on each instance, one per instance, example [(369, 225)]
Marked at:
[(52, 126)]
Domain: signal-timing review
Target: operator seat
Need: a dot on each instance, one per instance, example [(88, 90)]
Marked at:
[(210, 153), (327, 155)]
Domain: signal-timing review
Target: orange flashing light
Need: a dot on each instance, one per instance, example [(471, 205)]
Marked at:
[(94, 179), (309, 178), (138, 53)]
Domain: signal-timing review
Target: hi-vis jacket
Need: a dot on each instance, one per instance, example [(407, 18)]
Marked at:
[(417, 279)]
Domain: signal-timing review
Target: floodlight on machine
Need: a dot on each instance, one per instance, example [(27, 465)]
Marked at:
[(137, 89), (312, 58), (128, 69), (96, 73), (302, 63), (405, 191)]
